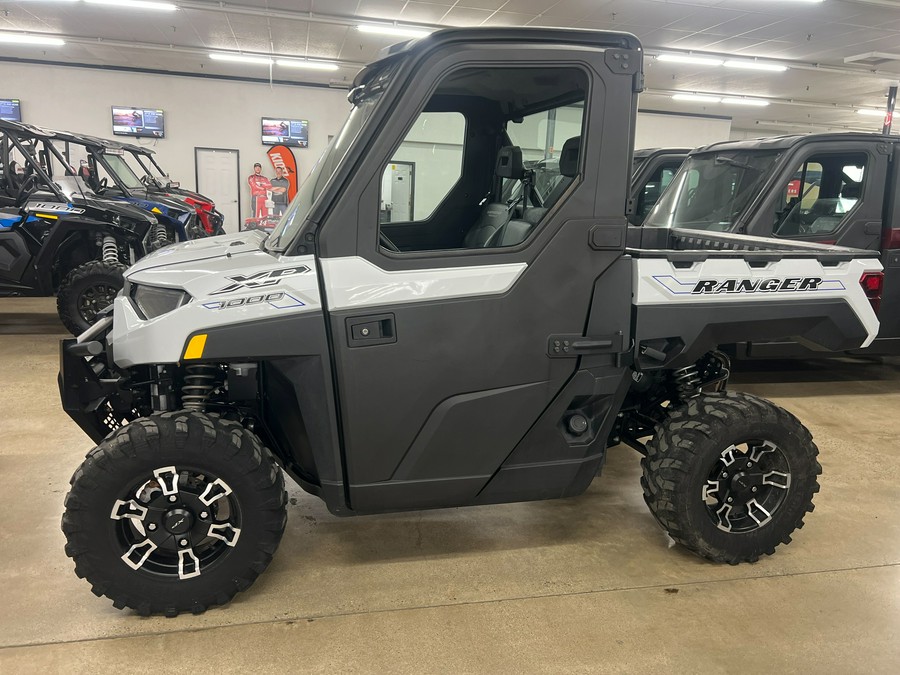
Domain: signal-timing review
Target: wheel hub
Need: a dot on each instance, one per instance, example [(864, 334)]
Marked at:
[(746, 485), (178, 521)]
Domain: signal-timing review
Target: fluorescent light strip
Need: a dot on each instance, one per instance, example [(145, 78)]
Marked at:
[(241, 58), (697, 98), (735, 100), (871, 112), (136, 4), (755, 65), (687, 58), (310, 65), (398, 31), (21, 39)]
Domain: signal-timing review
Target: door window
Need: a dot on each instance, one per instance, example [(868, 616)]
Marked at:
[(435, 145), (822, 191), (483, 162), (655, 186)]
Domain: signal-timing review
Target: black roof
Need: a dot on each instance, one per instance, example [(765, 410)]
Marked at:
[(449, 36), (789, 141)]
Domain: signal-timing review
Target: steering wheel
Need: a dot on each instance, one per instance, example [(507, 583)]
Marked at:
[(26, 187), (387, 243)]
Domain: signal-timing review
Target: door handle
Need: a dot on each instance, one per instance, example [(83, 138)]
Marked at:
[(374, 329)]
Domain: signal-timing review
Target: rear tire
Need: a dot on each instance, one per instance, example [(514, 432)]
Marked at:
[(730, 476), (87, 290), (175, 512)]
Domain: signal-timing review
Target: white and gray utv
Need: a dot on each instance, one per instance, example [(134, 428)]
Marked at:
[(439, 346)]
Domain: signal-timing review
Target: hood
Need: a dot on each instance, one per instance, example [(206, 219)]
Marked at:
[(185, 255)]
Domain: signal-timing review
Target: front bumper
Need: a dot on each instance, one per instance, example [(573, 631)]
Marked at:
[(91, 394)]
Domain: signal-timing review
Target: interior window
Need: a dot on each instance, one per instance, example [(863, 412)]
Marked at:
[(655, 186), (493, 150), (820, 194), (435, 146)]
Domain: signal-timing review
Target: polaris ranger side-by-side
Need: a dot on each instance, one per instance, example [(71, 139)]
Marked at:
[(459, 358), (56, 236), (652, 171), (832, 188)]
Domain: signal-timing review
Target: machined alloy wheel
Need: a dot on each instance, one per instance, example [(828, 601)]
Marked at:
[(730, 476), (174, 512)]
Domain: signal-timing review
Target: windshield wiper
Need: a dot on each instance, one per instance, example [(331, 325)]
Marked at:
[(721, 159)]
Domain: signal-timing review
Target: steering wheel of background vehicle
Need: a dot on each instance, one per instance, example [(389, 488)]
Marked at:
[(175, 512), (25, 189)]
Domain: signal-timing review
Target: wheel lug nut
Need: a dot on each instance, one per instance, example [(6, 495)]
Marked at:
[(724, 474), (753, 489), (151, 526), (183, 542), (204, 514), (749, 464), (173, 498), (730, 499)]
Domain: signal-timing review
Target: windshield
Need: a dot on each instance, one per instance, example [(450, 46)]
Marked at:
[(321, 173), (712, 190), (122, 171)]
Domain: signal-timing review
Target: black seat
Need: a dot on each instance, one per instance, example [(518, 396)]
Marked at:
[(495, 215)]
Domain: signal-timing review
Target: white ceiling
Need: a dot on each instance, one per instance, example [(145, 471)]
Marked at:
[(813, 39)]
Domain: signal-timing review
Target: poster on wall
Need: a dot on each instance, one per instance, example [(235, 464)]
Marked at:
[(269, 197)]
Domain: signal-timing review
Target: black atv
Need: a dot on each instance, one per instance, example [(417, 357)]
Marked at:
[(56, 236)]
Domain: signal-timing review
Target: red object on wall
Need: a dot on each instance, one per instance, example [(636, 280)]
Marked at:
[(281, 155)]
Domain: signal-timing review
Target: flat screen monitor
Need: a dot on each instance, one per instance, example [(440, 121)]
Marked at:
[(138, 122), (285, 132), (10, 109)]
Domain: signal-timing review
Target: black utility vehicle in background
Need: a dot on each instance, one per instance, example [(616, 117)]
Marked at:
[(465, 357), (652, 171), (833, 188), (58, 237)]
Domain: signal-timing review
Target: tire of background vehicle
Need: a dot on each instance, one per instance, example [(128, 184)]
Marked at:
[(94, 276), (686, 479), (195, 444)]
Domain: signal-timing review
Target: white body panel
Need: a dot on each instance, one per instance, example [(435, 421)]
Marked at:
[(657, 281), (225, 289), (354, 282)]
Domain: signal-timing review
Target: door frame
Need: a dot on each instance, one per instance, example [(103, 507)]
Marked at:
[(238, 185)]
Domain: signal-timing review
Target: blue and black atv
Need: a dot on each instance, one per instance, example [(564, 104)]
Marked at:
[(104, 165), (57, 236)]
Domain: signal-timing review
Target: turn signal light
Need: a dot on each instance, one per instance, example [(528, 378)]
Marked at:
[(873, 284)]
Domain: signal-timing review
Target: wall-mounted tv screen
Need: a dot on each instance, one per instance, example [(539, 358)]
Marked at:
[(139, 122), (285, 132), (10, 109)]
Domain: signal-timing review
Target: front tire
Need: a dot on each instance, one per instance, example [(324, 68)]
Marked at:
[(87, 290), (174, 512), (730, 476)]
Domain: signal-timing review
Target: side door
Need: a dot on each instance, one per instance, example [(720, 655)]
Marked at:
[(828, 193), (444, 354)]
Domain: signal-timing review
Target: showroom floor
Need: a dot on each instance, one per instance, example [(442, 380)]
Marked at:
[(585, 584)]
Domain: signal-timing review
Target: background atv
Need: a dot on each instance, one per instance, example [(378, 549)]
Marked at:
[(104, 167), (56, 237)]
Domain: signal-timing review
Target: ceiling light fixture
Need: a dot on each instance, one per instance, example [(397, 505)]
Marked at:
[(871, 112), (136, 4), (22, 39), (697, 98), (241, 58), (736, 100), (755, 65), (388, 29), (310, 65), (688, 58)]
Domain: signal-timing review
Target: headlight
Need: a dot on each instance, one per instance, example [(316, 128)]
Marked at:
[(153, 302)]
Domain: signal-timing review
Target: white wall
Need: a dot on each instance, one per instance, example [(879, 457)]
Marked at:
[(681, 131), (199, 112)]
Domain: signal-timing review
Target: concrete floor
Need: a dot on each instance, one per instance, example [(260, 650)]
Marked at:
[(581, 585)]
